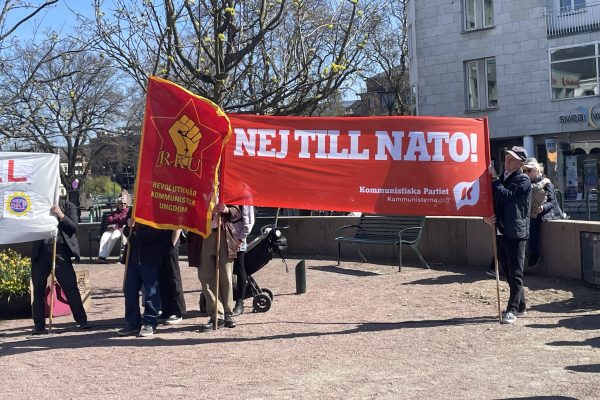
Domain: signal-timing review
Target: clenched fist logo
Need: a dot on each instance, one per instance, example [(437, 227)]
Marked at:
[(186, 136)]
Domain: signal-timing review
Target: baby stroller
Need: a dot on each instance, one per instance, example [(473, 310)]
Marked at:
[(258, 254)]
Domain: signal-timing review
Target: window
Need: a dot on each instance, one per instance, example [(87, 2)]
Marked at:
[(574, 71), (480, 84), (479, 14), (571, 5)]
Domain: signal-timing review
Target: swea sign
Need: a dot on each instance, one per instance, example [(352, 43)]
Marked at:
[(589, 115)]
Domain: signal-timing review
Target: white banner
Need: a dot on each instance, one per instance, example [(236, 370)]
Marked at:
[(28, 188)]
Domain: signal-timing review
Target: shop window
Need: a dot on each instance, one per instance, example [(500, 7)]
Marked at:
[(480, 84), (574, 71), (478, 14)]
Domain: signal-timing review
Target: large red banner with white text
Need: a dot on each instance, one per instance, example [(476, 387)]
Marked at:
[(182, 141), (387, 165)]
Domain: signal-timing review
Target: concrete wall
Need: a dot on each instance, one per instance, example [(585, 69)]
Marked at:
[(445, 240)]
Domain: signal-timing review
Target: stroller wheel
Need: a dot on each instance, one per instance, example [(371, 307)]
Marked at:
[(261, 302), (269, 293)]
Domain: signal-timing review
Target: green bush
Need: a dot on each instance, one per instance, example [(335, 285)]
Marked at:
[(15, 273), (102, 185)]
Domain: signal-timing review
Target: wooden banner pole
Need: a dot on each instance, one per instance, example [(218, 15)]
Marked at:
[(495, 247), (52, 278), (216, 302)]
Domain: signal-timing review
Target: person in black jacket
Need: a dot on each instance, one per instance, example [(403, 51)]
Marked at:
[(147, 248), (512, 204), (41, 265)]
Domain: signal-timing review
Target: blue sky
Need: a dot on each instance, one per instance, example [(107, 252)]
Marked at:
[(59, 17)]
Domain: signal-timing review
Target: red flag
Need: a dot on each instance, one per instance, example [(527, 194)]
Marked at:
[(388, 165), (182, 140)]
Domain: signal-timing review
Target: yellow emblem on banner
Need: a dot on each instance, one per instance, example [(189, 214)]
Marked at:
[(17, 204)]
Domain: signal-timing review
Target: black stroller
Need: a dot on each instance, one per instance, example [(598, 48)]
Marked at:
[(258, 254)]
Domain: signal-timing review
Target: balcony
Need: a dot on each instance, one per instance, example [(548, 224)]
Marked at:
[(572, 20)]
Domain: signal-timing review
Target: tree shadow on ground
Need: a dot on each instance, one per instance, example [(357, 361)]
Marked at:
[(458, 274), (100, 336)]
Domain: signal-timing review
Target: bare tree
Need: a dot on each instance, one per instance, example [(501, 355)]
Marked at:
[(387, 74), (75, 95), (260, 56), (9, 25)]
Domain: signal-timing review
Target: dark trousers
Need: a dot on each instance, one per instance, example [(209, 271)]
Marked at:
[(171, 288), (136, 276), (239, 268), (512, 256), (534, 238), (41, 267)]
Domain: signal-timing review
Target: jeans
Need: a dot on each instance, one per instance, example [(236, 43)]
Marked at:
[(239, 268), (136, 276), (512, 256)]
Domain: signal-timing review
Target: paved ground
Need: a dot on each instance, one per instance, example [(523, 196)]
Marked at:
[(362, 331)]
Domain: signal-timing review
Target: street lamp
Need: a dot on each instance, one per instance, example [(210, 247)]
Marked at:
[(388, 99)]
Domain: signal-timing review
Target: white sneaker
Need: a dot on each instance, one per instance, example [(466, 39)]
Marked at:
[(147, 330), (518, 313), (173, 319), (509, 318)]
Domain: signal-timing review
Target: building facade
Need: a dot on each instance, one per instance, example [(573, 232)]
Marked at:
[(531, 67)]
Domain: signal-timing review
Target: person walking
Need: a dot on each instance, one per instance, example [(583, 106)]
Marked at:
[(512, 206)]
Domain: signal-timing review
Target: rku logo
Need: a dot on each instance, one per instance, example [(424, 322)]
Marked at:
[(185, 136), (466, 194)]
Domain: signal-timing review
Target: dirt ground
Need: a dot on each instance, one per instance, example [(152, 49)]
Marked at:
[(362, 331)]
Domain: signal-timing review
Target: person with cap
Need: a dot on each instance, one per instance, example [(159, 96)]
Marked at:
[(544, 206), (512, 206), (116, 220)]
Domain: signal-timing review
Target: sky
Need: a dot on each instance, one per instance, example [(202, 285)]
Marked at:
[(59, 17)]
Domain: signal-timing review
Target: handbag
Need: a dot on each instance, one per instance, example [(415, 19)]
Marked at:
[(61, 305)]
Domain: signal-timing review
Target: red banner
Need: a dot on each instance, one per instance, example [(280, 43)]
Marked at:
[(182, 140), (386, 165)]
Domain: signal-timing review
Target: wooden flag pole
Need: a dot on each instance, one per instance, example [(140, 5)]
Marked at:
[(495, 247), (52, 278), (216, 302)]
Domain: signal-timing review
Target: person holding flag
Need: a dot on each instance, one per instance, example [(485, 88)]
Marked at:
[(41, 265)]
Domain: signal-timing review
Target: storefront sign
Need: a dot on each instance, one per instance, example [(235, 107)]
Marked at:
[(581, 114)]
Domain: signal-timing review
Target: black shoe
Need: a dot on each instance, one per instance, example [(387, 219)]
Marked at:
[(101, 260), (85, 325), (239, 308), (128, 331), (229, 321), (39, 331), (210, 324)]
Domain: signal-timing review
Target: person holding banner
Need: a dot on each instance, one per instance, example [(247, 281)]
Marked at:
[(512, 204), (147, 249), (203, 255), (41, 265)]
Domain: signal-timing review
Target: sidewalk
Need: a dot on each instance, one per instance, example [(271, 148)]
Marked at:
[(362, 331)]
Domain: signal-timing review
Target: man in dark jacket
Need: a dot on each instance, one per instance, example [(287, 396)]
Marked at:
[(147, 247), (41, 265), (512, 204)]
